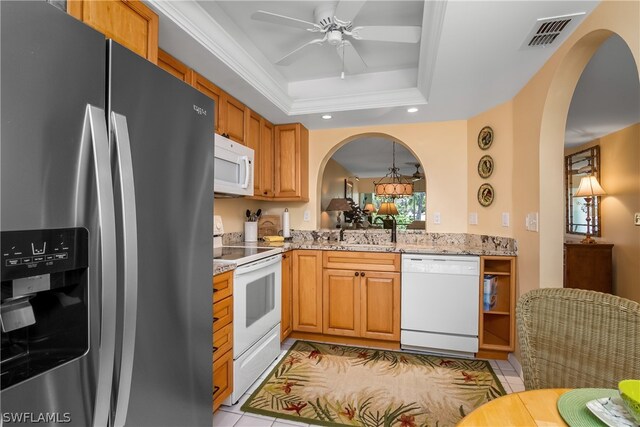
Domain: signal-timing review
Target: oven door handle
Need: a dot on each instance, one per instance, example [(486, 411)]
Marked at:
[(263, 263)]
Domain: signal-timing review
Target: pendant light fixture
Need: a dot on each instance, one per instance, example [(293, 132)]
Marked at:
[(392, 184)]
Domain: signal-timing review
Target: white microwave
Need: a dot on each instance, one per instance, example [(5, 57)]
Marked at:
[(233, 168)]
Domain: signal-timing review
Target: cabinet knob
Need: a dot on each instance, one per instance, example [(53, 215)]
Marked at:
[(362, 274), (357, 274), (265, 192), (284, 256)]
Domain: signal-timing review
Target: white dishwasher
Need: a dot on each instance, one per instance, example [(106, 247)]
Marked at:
[(440, 303)]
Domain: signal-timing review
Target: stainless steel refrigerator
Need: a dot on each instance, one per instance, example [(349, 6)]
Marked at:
[(106, 224)]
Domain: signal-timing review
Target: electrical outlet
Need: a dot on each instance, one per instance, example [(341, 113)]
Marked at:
[(636, 218), (473, 218), (505, 219), (307, 216), (436, 218), (532, 221)]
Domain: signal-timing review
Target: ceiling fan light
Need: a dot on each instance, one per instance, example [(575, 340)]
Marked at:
[(412, 110)]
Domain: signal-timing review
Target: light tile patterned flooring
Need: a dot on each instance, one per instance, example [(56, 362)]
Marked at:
[(232, 416)]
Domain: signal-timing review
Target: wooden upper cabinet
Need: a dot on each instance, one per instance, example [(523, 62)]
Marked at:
[(212, 91), (266, 159), (252, 141), (291, 167), (174, 67), (129, 22), (233, 118)]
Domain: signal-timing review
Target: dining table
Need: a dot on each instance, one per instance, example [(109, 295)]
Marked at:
[(522, 409)]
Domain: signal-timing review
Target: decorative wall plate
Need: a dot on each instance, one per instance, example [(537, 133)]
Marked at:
[(485, 166), (485, 195), (485, 137)]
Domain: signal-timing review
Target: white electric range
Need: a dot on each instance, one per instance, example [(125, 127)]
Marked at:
[(257, 282)]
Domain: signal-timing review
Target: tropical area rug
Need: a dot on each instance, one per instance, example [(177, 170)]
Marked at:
[(336, 385)]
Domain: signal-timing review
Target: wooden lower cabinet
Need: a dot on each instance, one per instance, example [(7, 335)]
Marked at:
[(307, 291), (222, 378), (286, 322), (341, 302), (588, 266), (222, 337), (380, 306)]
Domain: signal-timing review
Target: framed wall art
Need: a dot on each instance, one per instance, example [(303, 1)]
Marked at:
[(485, 167), (485, 195), (485, 137)]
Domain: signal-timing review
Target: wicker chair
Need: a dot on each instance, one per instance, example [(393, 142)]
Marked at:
[(576, 338)]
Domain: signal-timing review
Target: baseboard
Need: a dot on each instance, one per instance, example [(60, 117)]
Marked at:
[(334, 339)]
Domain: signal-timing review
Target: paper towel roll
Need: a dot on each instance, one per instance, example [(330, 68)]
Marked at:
[(286, 230)]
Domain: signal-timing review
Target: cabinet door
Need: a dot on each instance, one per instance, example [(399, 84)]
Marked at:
[(266, 159), (291, 162), (380, 305), (307, 291), (252, 141), (222, 377), (212, 91), (286, 323), (341, 302), (174, 67), (233, 118), (129, 22)]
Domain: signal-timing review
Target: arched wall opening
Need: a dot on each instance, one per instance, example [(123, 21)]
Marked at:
[(328, 156)]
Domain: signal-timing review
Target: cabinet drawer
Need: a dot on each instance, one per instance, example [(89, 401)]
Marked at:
[(222, 313), (367, 261), (222, 378), (222, 340), (222, 286)]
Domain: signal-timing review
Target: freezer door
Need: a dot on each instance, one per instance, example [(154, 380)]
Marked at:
[(170, 128), (52, 97)]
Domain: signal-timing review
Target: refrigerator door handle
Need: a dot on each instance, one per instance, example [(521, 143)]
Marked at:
[(94, 134), (125, 187)]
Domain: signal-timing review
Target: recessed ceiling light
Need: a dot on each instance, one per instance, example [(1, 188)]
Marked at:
[(412, 110), (327, 116)]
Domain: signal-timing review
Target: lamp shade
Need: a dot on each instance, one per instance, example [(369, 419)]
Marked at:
[(388, 208), (339, 205), (589, 187), (394, 189), (369, 208)]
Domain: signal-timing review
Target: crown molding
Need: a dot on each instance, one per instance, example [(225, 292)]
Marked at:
[(432, 22), (199, 25), (379, 99)]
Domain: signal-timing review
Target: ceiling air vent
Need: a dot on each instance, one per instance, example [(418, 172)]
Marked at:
[(546, 30)]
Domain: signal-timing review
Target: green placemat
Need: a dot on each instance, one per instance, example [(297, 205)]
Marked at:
[(572, 405)]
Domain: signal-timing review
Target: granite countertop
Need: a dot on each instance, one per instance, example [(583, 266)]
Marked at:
[(222, 267), (385, 247), (411, 242)]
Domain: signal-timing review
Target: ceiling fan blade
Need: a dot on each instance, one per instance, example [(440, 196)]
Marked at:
[(346, 10), (293, 55), (274, 18), (383, 33), (350, 57)]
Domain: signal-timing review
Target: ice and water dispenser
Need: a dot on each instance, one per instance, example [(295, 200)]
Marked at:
[(44, 307)]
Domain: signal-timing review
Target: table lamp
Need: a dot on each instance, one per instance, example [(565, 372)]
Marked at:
[(589, 188), (339, 205)]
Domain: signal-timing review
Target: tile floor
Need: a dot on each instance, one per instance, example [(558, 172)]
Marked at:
[(232, 416)]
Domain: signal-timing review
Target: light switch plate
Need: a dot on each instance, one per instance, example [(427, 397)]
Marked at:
[(532, 221), (636, 218), (218, 229), (473, 218), (505, 219), (307, 216), (436, 218)]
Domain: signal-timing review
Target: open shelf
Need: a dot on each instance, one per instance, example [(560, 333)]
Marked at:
[(497, 325)]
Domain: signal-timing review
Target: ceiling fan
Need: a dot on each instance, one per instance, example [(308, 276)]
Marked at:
[(417, 175), (334, 23)]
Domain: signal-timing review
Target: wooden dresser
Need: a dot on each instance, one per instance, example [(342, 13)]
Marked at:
[(588, 266)]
